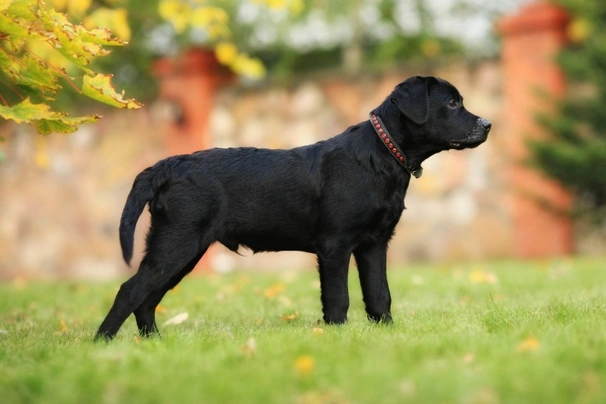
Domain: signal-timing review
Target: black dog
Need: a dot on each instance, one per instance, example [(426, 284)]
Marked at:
[(334, 198)]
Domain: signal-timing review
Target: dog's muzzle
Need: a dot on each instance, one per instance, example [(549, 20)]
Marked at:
[(476, 137)]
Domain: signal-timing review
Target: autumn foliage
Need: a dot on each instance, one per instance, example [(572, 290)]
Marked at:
[(40, 47)]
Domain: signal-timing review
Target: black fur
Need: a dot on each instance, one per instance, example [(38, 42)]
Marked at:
[(334, 198)]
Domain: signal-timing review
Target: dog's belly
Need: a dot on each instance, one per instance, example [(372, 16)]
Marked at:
[(268, 242)]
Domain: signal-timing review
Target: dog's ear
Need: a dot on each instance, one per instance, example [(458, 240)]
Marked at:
[(412, 99)]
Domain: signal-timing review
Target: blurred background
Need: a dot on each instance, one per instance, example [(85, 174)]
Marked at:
[(284, 73)]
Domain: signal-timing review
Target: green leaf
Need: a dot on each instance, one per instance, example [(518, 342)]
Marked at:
[(63, 124), (100, 88), (23, 9), (10, 27), (6, 63), (25, 111), (78, 44), (99, 36), (43, 119), (35, 73)]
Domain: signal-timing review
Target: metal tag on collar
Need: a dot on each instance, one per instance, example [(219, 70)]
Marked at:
[(418, 172)]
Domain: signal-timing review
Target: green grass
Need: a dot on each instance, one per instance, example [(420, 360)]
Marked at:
[(509, 332)]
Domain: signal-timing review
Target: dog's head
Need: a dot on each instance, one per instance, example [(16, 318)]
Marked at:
[(433, 110)]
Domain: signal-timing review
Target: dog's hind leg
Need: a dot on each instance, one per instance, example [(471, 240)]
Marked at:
[(145, 314), (170, 251), (372, 268)]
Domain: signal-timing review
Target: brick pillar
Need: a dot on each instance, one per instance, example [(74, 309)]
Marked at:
[(189, 85), (531, 81)]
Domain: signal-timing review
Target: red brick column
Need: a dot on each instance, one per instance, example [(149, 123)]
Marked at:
[(531, 80), (189, 85)]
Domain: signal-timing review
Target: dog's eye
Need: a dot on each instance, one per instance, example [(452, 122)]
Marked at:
[(453, 104)]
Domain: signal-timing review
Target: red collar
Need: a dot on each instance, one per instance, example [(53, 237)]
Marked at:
[(392, 146)]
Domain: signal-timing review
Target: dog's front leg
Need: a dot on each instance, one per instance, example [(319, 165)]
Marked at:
[(333, 280), (372, 268)]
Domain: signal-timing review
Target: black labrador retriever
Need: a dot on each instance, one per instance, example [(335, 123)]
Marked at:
[(334, 198)]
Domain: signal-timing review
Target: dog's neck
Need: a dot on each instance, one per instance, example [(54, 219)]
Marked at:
[(392, 145), (414, 151)]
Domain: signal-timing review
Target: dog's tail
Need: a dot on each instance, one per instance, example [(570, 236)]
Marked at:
[(144, 188)]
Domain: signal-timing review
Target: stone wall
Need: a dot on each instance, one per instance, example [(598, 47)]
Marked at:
[(61, 196)]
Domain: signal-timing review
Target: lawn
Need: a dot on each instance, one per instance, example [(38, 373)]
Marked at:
[(497, 332)]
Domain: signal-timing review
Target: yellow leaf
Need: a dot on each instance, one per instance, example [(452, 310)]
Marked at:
[(77, 8), (304, 365), (116, 20), (529, 344), (317, 331), (175, 12), (160, 309), (58, 4), (249, 67), (290, 317), (276, 4), (42, 50), (579, 30), (202, 17), (62, 326), (99, 87), (274, 290), (62, 124), (26, 111), (226, 52), (4, 4), (481, 276)]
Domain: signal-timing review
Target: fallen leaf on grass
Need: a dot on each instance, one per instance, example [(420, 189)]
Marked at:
[(304, 365), (468, 358), (250, 348), (274, 290), (317, 331), (483, 277), (178, 319), (160, 309), (290, 317), (62, 326), (529, 344)]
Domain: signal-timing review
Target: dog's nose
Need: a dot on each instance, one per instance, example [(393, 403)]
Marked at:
[(485, 123)]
